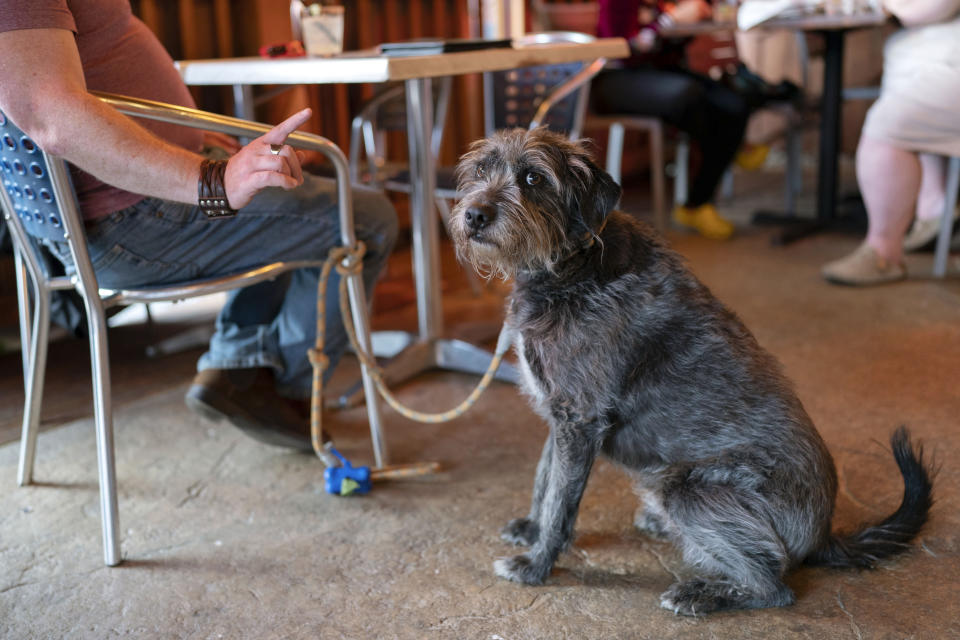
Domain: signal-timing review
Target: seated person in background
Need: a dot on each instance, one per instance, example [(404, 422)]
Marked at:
[(137, 187), (654, 82), (900, 164)]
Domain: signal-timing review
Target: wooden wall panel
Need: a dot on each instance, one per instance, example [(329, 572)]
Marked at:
[(223, 21)]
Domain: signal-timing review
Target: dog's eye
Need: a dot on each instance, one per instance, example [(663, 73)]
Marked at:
[(481, 172), (533, 178)]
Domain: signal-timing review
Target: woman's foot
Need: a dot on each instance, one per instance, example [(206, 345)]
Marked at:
[(863, 267), (923, 234), (705, 219), (751, 157)]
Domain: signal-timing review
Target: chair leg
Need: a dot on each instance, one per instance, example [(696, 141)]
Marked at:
[(361, 323), (657, 181), (103, 417), (726, 185), (35, 366), (946, 220), (794, 168), (615, 151), (23, 306), (680, 183)]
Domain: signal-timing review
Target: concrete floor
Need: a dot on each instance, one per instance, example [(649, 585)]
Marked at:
[(227, 538)]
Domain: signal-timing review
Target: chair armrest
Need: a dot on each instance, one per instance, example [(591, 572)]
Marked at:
[(197, 119), (572, 84)]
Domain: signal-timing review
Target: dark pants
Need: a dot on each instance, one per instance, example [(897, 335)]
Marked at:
[(713, 115)]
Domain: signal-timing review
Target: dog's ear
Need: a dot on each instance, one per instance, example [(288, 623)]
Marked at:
[(598, 197)]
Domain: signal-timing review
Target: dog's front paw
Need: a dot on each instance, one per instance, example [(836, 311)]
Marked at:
[(698, 597), (522, 568), (689, 598), (522, 531)]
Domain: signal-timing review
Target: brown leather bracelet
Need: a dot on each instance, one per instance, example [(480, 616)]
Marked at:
[(211, 194)]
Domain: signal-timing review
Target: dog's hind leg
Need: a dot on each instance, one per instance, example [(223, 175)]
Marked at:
[(571, 457), (724, 531), (525, 531)]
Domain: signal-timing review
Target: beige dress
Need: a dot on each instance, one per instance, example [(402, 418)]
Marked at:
[(919, 105)]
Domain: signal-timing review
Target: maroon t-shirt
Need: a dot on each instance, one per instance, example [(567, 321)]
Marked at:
[(119, 55)]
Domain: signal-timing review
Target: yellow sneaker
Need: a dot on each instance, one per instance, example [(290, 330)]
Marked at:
[(706, 220), (752, 156)]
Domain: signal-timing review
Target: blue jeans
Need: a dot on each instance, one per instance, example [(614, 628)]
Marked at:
[(270, 324)]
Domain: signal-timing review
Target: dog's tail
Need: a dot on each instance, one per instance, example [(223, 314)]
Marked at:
[(868, 546)]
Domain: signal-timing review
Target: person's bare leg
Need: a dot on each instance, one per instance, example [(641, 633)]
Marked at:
[(889, 179)]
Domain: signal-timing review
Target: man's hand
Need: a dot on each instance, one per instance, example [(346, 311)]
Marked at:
[(691, 11), (256, 166), (216, 139)]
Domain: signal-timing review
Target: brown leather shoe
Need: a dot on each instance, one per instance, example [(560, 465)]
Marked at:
[(248, 399)]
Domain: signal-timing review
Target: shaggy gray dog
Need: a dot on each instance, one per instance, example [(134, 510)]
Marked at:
[(626, 354)]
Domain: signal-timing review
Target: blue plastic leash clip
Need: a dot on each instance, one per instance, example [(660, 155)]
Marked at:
[(347, 479)]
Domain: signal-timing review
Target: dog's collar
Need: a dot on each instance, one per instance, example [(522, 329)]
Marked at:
[(591, 236)]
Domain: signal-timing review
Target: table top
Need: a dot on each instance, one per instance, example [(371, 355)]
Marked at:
[(812, 22), (369, 66)]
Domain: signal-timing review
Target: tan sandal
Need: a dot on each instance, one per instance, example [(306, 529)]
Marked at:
[(863, 267), (922, 235)]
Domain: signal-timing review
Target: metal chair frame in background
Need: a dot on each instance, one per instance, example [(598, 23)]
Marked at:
[(942, 251), (39, 201), (368, 129), (561, 106)]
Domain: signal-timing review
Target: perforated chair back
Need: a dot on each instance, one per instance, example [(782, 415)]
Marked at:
[(517, 94), (554, 96), (39, 203), (29, 184)]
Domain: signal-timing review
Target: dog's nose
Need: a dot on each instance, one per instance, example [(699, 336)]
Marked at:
[(478, 217)]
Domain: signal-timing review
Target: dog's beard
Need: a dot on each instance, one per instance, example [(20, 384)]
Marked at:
[(500, 255), (520, 240), (486, 259)]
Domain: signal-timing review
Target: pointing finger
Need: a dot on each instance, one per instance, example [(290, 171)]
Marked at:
[(279, 133)]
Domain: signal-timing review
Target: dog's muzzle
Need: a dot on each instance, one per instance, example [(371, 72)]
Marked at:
[(479, 217)]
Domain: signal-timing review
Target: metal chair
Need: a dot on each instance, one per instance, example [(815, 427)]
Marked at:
[(617, 126), (39, 203), (383, 113), (555, 96), (942, 251)]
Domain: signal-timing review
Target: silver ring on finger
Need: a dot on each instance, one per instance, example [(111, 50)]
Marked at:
[(275, 149)]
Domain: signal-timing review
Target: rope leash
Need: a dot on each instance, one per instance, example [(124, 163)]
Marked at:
[(349, 262)]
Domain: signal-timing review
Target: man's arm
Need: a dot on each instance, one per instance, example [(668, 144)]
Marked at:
[(42, 90)]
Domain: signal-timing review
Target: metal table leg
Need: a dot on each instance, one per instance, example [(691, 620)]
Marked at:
[(831, 103), (830, 108)]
